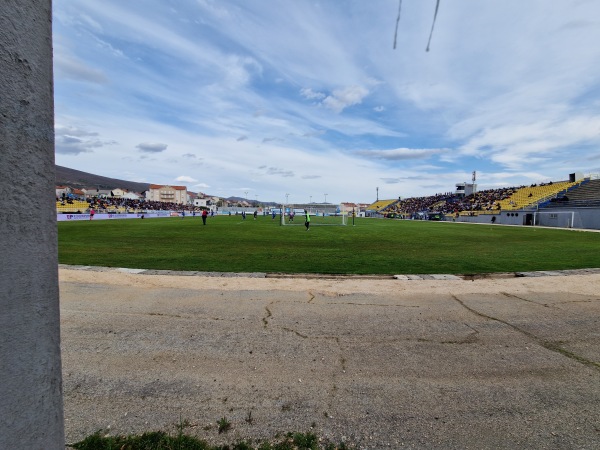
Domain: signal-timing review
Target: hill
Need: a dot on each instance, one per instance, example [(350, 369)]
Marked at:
[(235, 199), (79, 179)]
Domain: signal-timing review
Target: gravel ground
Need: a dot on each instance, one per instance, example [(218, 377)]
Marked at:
[(377, 363)]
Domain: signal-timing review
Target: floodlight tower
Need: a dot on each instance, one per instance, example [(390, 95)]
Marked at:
[(325, 198), (286, 198), (377, 190)]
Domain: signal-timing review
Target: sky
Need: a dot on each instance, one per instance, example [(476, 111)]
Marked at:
[(308, 100)]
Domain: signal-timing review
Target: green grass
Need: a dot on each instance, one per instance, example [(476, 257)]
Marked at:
[(373, 246), (158, 440), (224, 425)]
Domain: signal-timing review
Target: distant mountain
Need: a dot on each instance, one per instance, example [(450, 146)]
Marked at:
[(252, 202), (79, 179)]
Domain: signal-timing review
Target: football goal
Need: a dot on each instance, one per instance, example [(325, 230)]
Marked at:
[(559, 219), (296, 216)]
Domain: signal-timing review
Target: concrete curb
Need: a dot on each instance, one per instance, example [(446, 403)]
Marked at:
[(409, 277)]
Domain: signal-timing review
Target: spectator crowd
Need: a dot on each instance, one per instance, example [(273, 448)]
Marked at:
[(449, 203), (105, 205)]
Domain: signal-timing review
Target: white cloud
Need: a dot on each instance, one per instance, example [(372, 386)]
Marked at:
[(71, 140), (109, 48), (518, 145), (280, 172), (91, 23), (311, 95), (71, 145), (152, 147), (72, 68), (391, 180), (341, 99), (185, 178), (271, 139), (401, 154), (240, 70), (72, 130)]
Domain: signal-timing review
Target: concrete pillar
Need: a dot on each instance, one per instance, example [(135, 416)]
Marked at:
[(31, 412)]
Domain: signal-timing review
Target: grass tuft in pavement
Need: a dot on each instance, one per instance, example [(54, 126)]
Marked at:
[(158, 440)]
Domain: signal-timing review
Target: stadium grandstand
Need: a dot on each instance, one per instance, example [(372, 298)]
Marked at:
[(516, 205), (584, 194), (118, 206), (380, 205), (490, 201), (533, 195)]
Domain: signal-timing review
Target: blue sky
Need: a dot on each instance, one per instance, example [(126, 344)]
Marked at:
[(309, 98)]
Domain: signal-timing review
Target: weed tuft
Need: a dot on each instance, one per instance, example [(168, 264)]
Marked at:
[(148, 441), (159, 440), (224, 425)]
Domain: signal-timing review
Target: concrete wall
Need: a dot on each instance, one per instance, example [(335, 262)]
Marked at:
[(504, 218), (588, 218), (31, 414)]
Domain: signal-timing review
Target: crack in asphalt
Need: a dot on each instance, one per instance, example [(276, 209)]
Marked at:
[(577, 301), (163, 314), (342, 360), (549, 345), (297, 333), (313, 296), (373, 304), (265, 319), (137, 314), (471, 338), (506, 294)]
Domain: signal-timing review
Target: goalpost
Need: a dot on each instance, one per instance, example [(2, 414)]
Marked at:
[(558, 219), (294, 215)]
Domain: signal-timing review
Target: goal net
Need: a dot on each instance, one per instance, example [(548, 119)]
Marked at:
[(296, 216), (559, 219)]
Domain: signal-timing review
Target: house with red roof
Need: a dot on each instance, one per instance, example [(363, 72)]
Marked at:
[(167, 194)]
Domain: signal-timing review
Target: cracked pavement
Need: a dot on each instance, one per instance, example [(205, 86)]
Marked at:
[(439, 363)]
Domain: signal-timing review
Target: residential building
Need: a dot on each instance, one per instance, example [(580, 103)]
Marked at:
[(62, 191), (167, 194), (129, 195)]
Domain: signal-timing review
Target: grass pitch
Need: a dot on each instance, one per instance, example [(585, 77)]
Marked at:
[(372, 246)]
